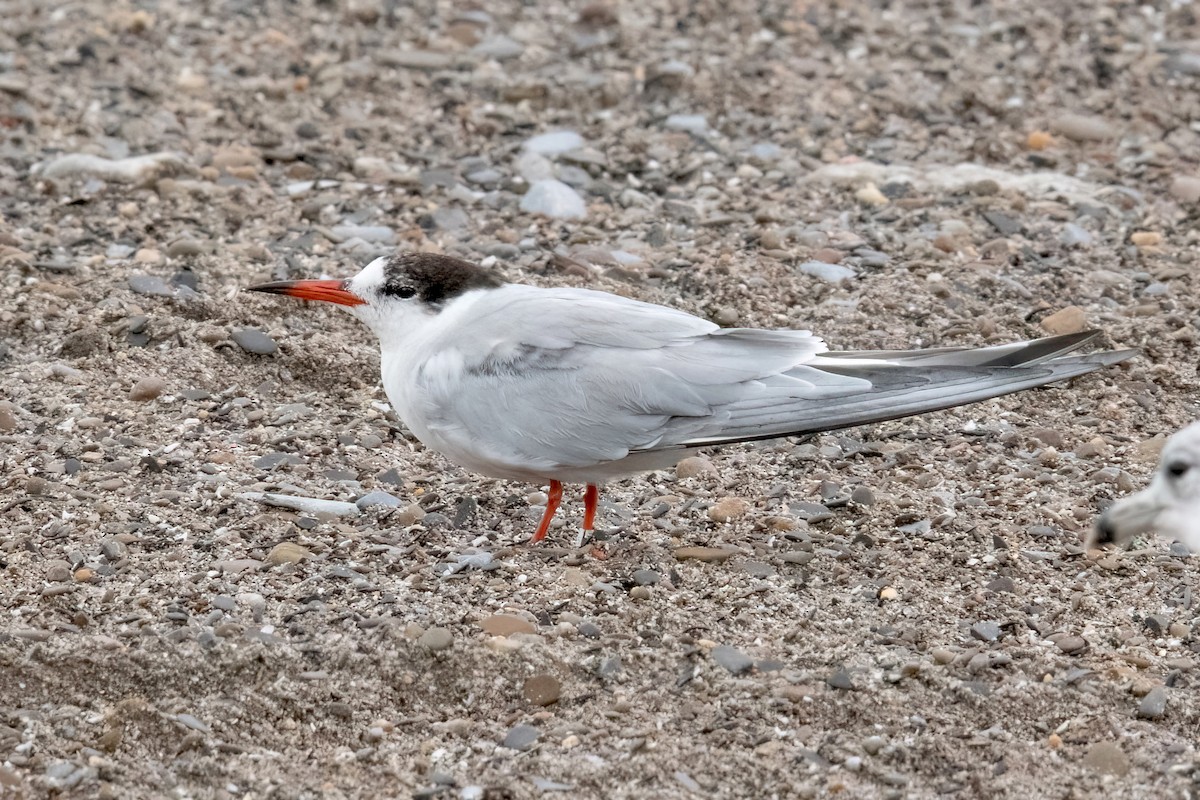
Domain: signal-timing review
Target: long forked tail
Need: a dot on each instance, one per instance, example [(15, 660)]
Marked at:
[(894, 384)]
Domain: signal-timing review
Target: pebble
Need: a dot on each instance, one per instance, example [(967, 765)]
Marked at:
[(862, 496), (986, 631), (147, 389), (1068, 320), (1084, 128), (436, 639), (840, 680), (1107, 758), (688, 123), (378, 498), (1075, 236), (409, 515), (542, 690), (58, 571), (149, 285), (943, 656), (1070, 644), (506, 625), (499, 47), (1186, 188), (1145, 239), (374, 234), (1039, 140), (554, 199), (728, 508), (870, 195), (646, 577), (831, 273), (693, 467), (703, 553), (288, 553), (553, 143), (252, 340), (732, 659), (1154, 704), (873, 744), (134, 169), (8, 420), (521, 737)]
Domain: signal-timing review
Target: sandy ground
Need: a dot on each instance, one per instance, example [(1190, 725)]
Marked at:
[(904, 610)]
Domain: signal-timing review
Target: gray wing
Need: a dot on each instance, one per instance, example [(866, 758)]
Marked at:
[(588, 378), (548, 378)]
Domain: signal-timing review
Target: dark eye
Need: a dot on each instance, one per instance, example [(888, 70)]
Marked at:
[(404, 292), (1176, 469)]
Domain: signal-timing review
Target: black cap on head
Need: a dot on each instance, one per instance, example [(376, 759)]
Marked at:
[(433, 278)]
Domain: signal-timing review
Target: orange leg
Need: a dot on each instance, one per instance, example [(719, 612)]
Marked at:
[(591, 498), (552, 501)]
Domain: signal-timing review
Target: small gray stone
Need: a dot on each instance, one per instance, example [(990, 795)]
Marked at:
[(1107, 758), (986, 631), (831, 273), (872, 745), (521, 737), (150, 284), (555, 199), (840, 680), (554, 142), (645, 577), (1002, 584), (378, 498), (436, 639), (690, 123), (274, 460), (1005, 224), (862, 496), (1075, 236), (1071, 644), (147, 388), (1154, 704), (223, 602), (732, 659), (255, 341)]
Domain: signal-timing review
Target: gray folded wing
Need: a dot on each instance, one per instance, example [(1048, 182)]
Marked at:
[(576, 378)]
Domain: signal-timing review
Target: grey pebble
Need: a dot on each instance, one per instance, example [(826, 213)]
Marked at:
[(757, 569), (1154, 704), (1075, 236), (378, 498), (1005, 224), (274, 460), (873, 744), (150, 285), (255, 341), (112, 549), (192, 722), (1002, 584), (831, 273), (588, 629), (840, 680), (862, 496), (986, 631), (223, 602), (436, 639), (646, 577), (521, 737), (732, 659)]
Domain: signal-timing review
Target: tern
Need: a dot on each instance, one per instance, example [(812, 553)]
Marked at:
[(565, 385), (1170, 504)]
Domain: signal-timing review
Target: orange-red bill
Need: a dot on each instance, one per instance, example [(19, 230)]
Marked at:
[(326, 291)]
